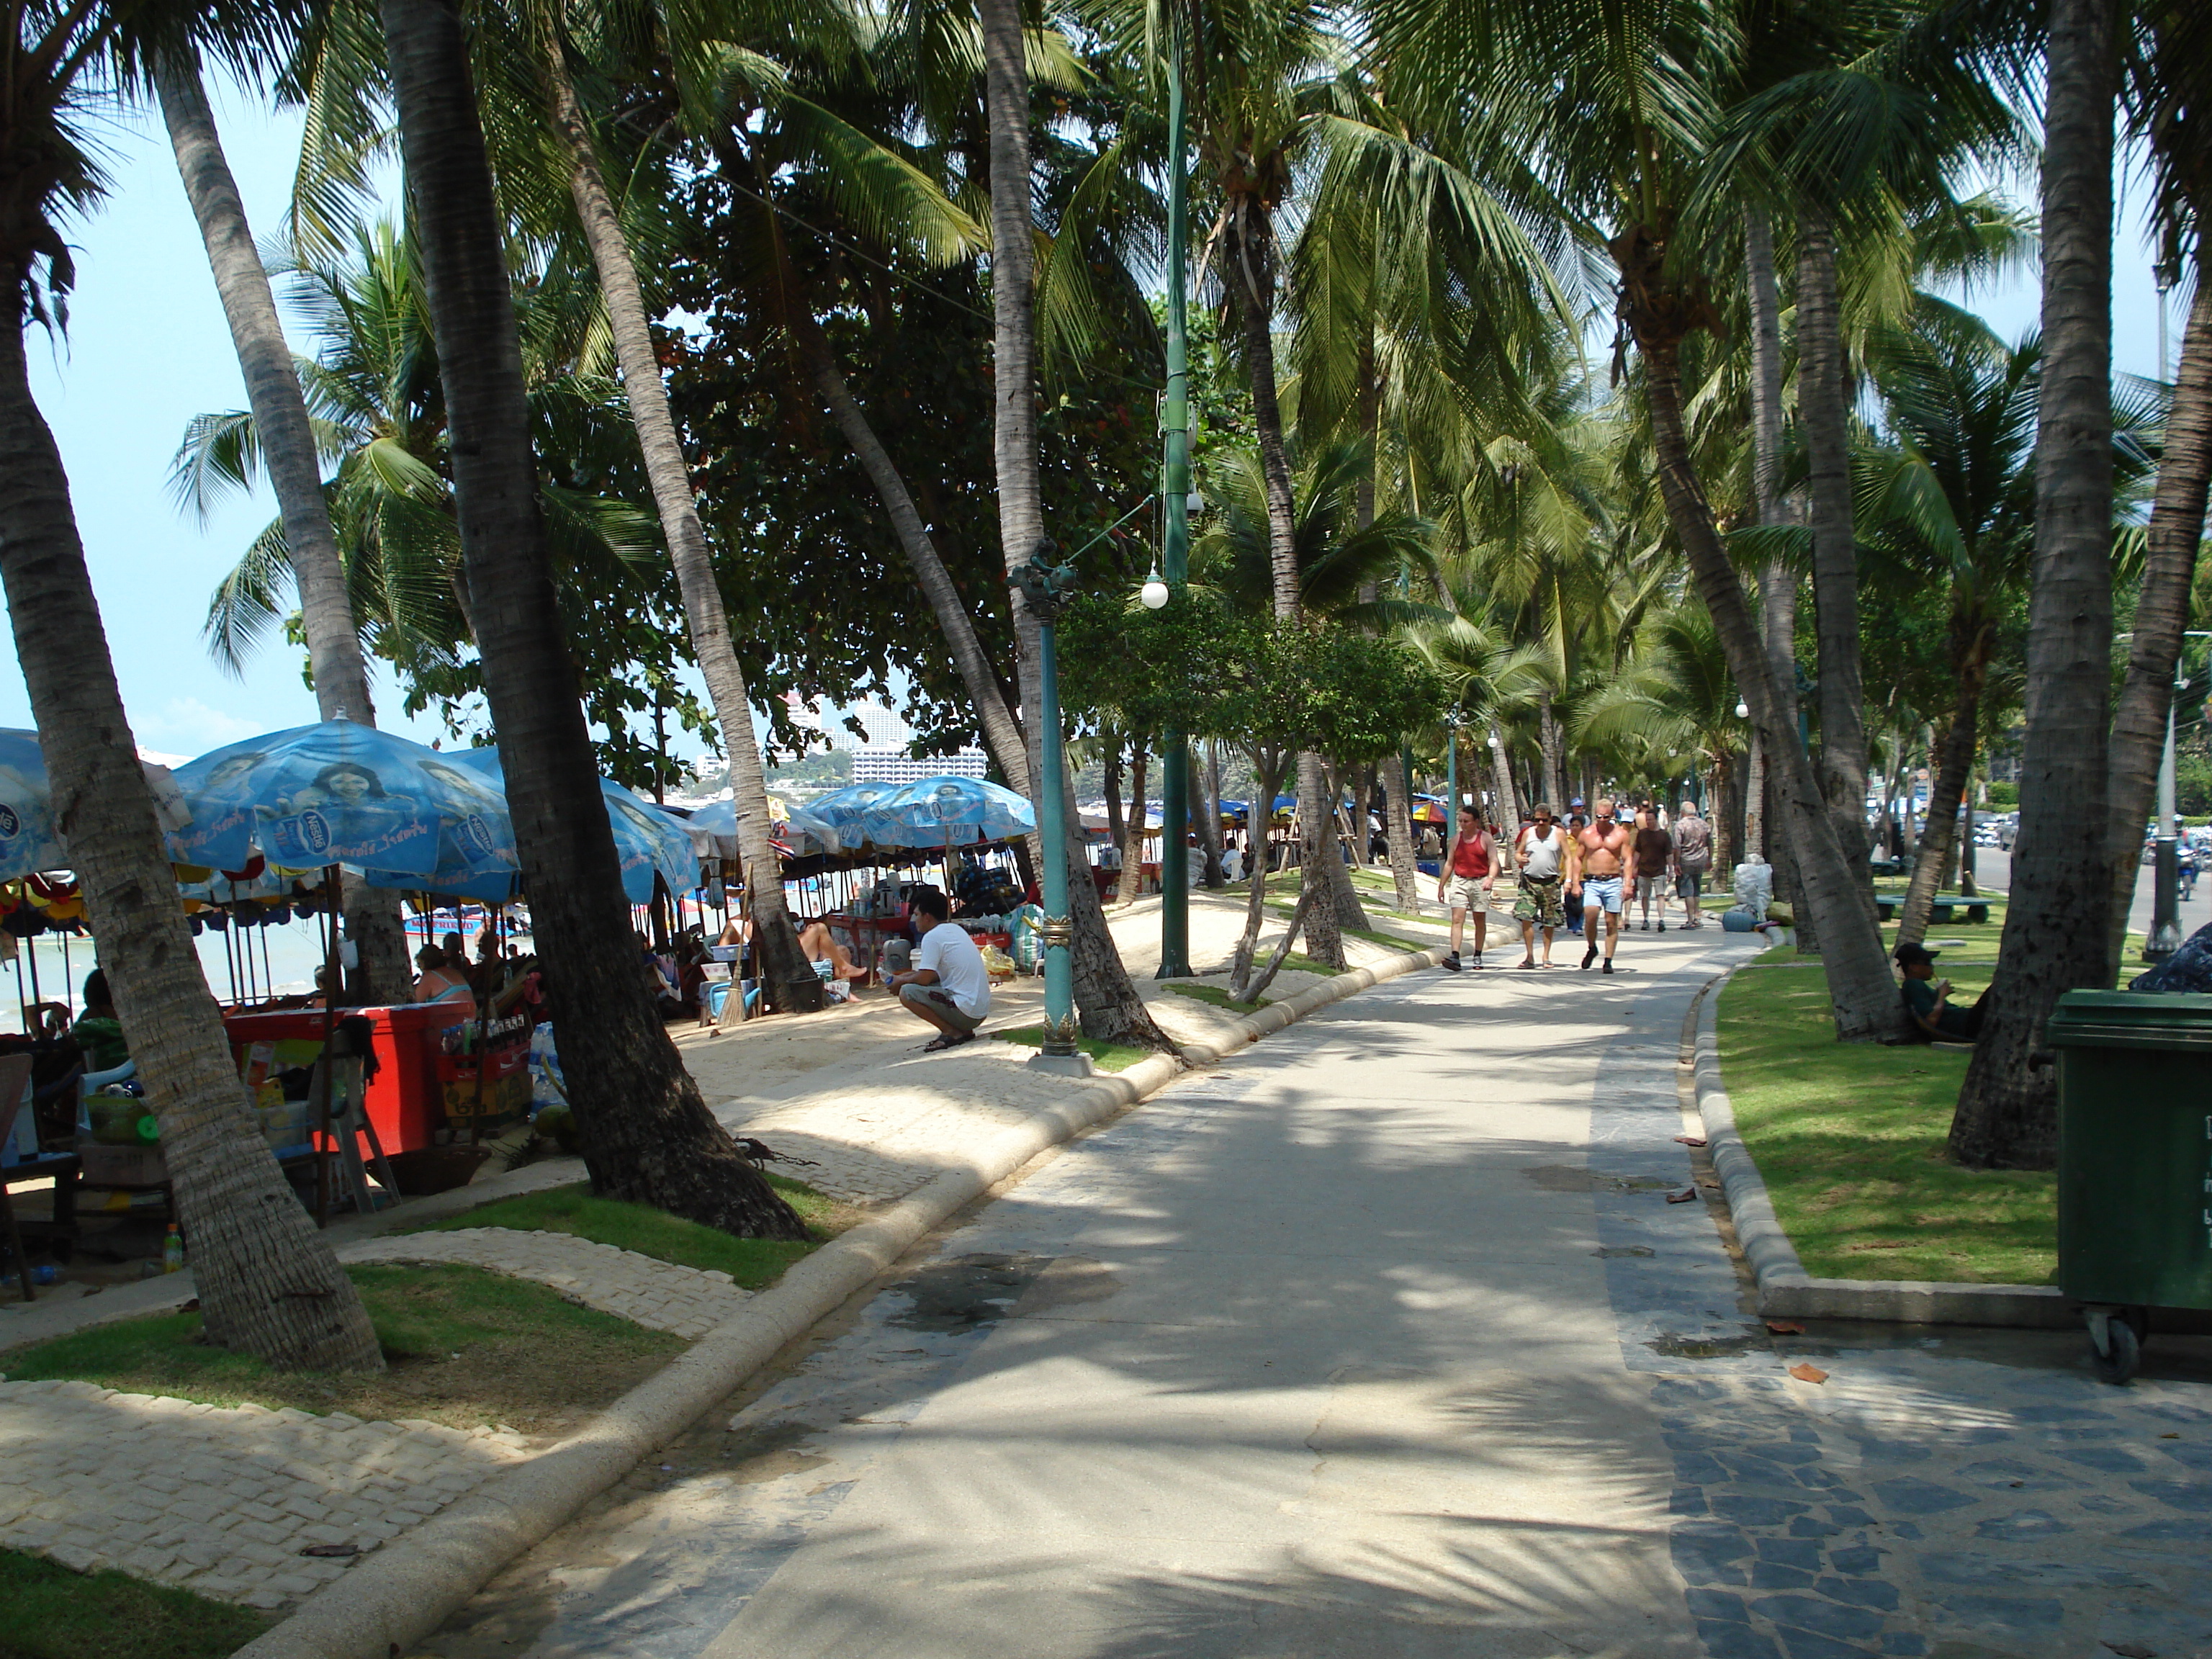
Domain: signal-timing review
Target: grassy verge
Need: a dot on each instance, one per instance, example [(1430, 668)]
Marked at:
[(1849, 1138), (753, 1262), (1216, 997), (1107, 1056), (463, 1347), (54, 1614)]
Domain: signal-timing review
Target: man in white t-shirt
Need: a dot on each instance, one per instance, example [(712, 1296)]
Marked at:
[(949, 986)]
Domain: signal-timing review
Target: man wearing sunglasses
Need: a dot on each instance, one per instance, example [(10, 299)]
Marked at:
[(1602, 848), (1546, 855)]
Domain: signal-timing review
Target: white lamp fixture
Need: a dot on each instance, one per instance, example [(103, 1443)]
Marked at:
[(1742, 710), (1153, 595)]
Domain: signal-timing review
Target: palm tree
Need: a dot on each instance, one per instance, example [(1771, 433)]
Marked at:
[(1604, 115), (1953, 503), (268, 1283), (2173, 104), (1116, 1011), (783, 961), (338, 671), (2058, 915), (647, 1134)]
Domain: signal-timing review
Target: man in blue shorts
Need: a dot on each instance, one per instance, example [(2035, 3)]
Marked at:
[(1601, 850)]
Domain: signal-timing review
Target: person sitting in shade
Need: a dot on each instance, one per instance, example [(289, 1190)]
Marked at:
[(949, 986), (821, 946), (97, 1031), (1927, 1000), (443, 982)]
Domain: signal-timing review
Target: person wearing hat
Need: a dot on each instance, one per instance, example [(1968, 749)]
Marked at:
[(1927, 999)]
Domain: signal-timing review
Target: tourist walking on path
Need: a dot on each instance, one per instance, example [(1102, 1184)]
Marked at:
[(1601, 850), (1464, 882), (1545, 856), (1572, 892), (1694, 856), (1655, 849)]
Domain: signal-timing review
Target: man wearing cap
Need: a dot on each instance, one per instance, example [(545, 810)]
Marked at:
[(1927, 999), (1545, 856)]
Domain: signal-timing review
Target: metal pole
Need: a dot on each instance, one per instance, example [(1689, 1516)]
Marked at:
[(1175, 534), (1042, 586)]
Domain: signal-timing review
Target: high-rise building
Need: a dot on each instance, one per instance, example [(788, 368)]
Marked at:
[(871, 764)]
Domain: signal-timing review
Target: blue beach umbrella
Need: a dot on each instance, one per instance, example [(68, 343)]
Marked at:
[(841, 812), (647, 838), (339, 792), (28, 843), (940, 812)]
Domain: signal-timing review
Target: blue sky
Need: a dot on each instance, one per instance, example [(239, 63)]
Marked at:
[(147, 349)]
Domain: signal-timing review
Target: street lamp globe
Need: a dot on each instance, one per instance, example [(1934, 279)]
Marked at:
[(1742, 710), (1153, 595)]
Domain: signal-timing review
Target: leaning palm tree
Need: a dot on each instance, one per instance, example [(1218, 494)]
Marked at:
[(2172, 105), (339, 672), (647, 1134), (268, 1283)]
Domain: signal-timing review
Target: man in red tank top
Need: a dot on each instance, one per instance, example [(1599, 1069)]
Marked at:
[(1464, 880)]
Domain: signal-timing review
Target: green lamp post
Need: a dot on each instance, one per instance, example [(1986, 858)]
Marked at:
[(1175, 531), (1044, 588)]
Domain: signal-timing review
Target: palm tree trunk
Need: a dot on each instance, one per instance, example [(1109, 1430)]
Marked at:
[(648, 1135), (790, 979), (2175, 529), (1267, 777), (1949, 784), (1554, 754), (1111, 1009), (1398, 835), (1764, 290), (335, 662), (1824, 407), (1133, 850), (1755, 801), (1117, 820), (1509, 799), (1860, 988), (1208, 806), (2057, 916), (269, 1285)]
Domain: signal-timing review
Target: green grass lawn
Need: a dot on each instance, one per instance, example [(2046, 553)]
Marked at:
[(47, 1612), (753, 1262), (1214, 996), (1107, 1056), (1849, 1137), (463, 1347)]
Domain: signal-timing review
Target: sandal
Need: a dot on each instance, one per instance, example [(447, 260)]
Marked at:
[(948, 1041)]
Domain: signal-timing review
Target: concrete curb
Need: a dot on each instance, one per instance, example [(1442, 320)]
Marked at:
[(1785, 1290), (405, 1591)]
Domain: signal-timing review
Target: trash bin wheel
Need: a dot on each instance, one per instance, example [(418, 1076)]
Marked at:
[(2116, 1357)]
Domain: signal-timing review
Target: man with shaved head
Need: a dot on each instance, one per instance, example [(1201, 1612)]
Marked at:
[(1602, 845)]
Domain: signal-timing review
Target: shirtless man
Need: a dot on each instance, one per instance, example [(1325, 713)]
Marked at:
[(1601, 847)]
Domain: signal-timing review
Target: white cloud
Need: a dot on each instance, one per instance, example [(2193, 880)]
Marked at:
[(192, 727)]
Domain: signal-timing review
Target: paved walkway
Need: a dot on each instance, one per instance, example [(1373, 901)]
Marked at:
[(222, 1499), (660, 1295), (1384, 1341)]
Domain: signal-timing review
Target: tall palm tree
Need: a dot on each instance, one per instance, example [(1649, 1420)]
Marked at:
[(2172, 103), (1605, 115), (647, 1134), (1115, 1010), (269, 1285), (2059, 909), (783, 961), (339, 672)]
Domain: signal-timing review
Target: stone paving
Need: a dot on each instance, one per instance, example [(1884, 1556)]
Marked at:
[(660, 1295), (221, 1500)]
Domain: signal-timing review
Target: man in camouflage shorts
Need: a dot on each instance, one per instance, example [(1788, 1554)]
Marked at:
[(1544, 855)]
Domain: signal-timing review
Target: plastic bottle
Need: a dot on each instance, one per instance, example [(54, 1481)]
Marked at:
[(173, 1251)]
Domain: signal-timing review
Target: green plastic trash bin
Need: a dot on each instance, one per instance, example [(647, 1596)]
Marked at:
[(2134, 1161)]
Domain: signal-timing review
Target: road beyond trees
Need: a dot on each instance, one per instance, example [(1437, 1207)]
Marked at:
[(1385, 1340)]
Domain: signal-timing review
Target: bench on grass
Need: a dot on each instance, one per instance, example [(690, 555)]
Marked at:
[(1948, 907)]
